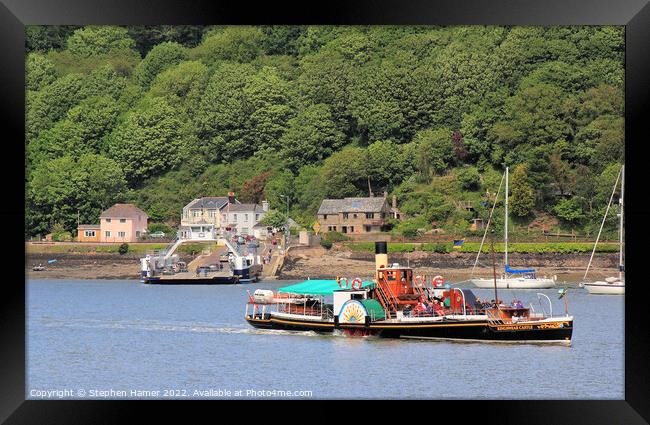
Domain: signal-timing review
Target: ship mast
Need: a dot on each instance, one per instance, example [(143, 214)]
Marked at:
[(505, 238), (620, 243)]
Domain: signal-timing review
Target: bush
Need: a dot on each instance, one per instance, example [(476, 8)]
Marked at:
[(326, 243), (124, 248), (336, 237)]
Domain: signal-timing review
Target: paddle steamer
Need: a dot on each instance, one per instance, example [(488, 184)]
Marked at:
[(397, 304)]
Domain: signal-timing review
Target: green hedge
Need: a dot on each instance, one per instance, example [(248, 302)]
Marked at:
[(550, 247)]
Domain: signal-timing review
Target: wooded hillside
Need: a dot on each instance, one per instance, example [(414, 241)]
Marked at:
[(160, 115)]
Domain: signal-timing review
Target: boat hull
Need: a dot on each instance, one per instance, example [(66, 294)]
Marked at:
[(557, 331), (515, 283), (217, 280), (604, 288)]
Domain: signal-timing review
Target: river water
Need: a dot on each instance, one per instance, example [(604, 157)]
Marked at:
[(123, 339)]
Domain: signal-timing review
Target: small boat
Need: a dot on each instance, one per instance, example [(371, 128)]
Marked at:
[(397, 304), (39, 268), (511, 278), (614, 285)]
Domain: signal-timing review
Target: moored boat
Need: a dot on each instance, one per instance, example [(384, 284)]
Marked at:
[(611, 285), (397, 304), (511, 278)]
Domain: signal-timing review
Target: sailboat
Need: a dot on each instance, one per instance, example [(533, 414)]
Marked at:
[(511, 278), (611, 285)]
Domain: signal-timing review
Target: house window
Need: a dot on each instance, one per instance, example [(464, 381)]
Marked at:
[(212, 213), (234, 218), (368, 228), (122, 220), (324, 216), (121, 234), (196, 213), (89, 233), (351, 229), (257, 217), (108, 220), (244, 230), (354, 215), (345, 215), (108, 233), (370, 215), (245, 217)]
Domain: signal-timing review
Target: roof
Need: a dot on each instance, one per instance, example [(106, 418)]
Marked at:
[(334, 206), (246, 208), (316, 287), (209, 202), (89, 226), (123, 211)]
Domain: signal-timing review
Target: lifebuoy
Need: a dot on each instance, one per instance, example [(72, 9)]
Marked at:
[(438, 281), (341, 279), (356, 283)]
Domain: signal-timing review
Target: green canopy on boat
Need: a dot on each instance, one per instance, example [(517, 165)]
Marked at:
[(317, 287)]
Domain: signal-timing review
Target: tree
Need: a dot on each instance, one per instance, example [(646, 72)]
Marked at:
[(161, 57), (151, 140), (182, 85), (252, 191), (39, 71), (236, 44), (267, 108), (522, 200), (569, 211), (48, 105), (469, 178), (63, 187), (435, 150), (221, 118), (275, 219), (280, 190), (345, 173), (97, 40), (310, 137)]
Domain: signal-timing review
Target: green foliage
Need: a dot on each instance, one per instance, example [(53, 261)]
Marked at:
[(151, 140), (40, 71), (569, 210), (96, 40), (431, 114), (275, 219), (160, 58), (61, 188), (435, 151), (161, 227), (326, 243), (522, 200), (123, 249), (469, 178), (237, 44)]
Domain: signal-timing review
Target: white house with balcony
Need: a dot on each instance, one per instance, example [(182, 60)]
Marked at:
[(211, 217)]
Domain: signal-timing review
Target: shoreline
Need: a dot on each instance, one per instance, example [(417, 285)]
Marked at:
[(317, 263)]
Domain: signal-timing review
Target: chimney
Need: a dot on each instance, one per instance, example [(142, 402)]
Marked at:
[(265, 206), (394, 201), (381, 256), (231, 197)]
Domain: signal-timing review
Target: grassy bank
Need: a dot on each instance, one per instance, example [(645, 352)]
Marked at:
[(544, 247), (72, 248)]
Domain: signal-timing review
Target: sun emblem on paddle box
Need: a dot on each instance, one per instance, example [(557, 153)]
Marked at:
[(352, 312)]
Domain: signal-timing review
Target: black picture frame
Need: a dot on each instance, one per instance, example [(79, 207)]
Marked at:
[(634, 14)]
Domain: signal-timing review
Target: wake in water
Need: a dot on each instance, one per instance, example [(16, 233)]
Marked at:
[(154, 325)]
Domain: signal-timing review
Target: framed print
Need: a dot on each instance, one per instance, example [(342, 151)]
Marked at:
[(365, 201)]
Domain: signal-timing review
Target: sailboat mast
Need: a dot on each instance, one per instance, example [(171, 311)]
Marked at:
[(620, 243), (505, 238)]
